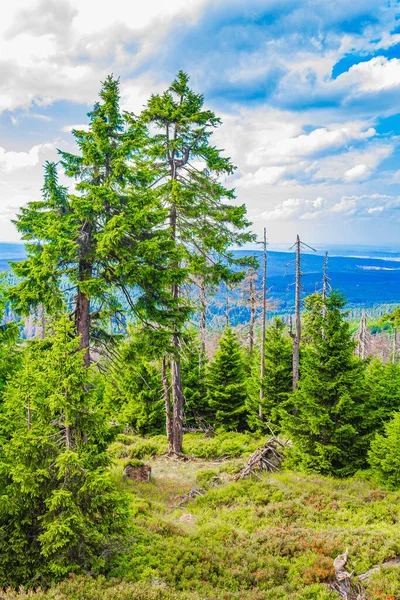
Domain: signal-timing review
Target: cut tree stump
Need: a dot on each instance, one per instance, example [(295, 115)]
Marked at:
[(137, 473)]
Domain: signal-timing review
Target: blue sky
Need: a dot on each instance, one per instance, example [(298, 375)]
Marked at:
[(309, 94)]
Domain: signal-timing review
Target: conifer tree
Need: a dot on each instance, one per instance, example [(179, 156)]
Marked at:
[(9, 352), (133, 386), (106, 235), (327, 425), (60, 512), (194, 377), (202, 221), (277, 381), (226, 384)]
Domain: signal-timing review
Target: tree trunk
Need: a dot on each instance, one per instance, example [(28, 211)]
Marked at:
[(82, 324), (226, 306), (178, 400), (264, 322), (167, 402), (252, 299), (202, 324), (177, 391), (297, 332)]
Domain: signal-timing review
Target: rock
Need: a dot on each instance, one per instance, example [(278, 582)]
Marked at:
[(137, 473)]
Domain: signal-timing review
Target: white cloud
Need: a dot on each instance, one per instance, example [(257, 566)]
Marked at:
[(346, 205), (377, 74), (357, 173), (12, 161), (291, 149), (69, 128), (294, 207)]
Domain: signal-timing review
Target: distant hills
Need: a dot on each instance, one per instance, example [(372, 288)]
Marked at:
[(368, 276)]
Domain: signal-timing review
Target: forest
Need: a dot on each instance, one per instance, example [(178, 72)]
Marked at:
[(124, 373)]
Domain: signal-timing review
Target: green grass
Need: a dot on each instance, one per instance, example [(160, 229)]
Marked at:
[(270, 539)]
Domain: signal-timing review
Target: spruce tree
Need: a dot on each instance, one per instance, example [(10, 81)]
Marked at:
[(326, 426), (202, 221), (194, 377), (60, 512), (133, 387), (226, 384), (104, 237), (277, 381)]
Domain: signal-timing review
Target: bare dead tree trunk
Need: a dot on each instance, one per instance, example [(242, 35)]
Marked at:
[(297, 332), (326, 279), (394, 347), (167, 402), (362, 337), (263, 327), (252, 301), (226, 305), (202, 324)]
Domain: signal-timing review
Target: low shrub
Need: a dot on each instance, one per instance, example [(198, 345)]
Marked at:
[(207, 477)]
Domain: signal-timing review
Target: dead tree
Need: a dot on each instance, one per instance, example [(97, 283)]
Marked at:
[(296, 335), (325, 284), (363, 338), (226, 305), (250, 297), (263, 327), (202, 321)]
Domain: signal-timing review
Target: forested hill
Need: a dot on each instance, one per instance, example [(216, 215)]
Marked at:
[(366, 275)]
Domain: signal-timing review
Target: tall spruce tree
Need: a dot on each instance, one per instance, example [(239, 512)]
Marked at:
[(106, 235), (327, 425), (202, 221), (226, 384), (60, 512)]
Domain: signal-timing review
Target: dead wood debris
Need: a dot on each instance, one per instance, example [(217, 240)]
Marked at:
[(267, 458), (349, 586), (194, 493)]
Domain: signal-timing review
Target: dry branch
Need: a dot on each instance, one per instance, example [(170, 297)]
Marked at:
[(267, 458)]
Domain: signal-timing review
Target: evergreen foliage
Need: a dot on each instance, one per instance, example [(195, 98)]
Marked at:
[(105, 236), (227, 384), (326, 425), (384, 456), (277, 383), (194, 376), (60, 512), (9, 351), (132, 387)]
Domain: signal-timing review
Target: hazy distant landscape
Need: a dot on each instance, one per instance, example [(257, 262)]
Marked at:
[(367, 275)]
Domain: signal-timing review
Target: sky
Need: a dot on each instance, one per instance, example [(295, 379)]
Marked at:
[(308, 92)]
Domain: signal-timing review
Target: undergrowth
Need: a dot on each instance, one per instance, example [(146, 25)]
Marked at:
[(272, 539)]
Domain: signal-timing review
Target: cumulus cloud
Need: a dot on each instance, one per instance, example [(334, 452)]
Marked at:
[(12, 161), (294, 207), (374, 75), (366, 205), (357, 173)]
